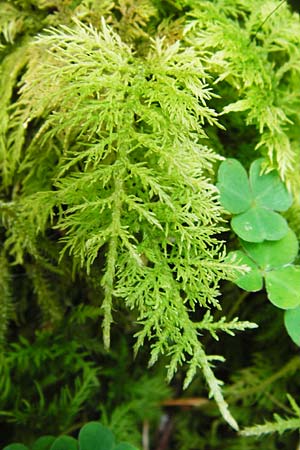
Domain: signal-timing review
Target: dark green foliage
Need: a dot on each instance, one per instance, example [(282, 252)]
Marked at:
[(16, 447), (114, 118), (92, 436), (68, 384), (64, 443), (43, 443)]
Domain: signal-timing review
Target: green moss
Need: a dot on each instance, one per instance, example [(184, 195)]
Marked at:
[(113, 120)]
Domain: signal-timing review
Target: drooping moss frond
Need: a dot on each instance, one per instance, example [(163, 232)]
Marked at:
[(47, 295), (6, 306), (279, 425), (11, 67), (11, 22), (259, 65), (25, 220), (131, 181)]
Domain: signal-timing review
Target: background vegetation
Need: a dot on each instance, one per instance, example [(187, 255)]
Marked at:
[(117, 299)]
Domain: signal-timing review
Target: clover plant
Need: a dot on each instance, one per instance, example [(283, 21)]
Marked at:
[(269, 246), (253, 201), (92, 436), (292, 324), (272, 261)]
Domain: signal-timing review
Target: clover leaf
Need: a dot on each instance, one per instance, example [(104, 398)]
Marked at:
[(273, 254), (251, 281), (43, 443), (292, 324), (283, 287), (15, 446), (95, 436), (234, 187), (272, 261), (253, 201), (64, 443), (92, 436)]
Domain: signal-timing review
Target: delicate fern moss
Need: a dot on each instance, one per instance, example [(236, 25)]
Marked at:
[(120, 143), (6, 307), (256, 61), (279, 425)]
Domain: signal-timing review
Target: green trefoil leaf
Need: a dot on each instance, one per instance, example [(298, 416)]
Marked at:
[(273, 254), (283, 287), (292, 324), (95, 436), (254, 201)]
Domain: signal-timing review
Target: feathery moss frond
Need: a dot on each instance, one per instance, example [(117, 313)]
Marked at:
[(259, 65), (279, 425), (131, 181), (6, 306)]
